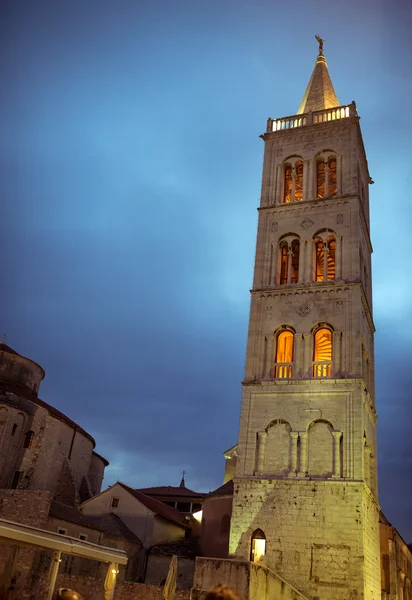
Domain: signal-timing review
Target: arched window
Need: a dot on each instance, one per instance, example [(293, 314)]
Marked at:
[(320, 179), (258, 546), (326, 175), (225, 524), (284, 354), (332, 186), (289, 251), (298, 181), (28, 439), (293, 181), (284, 261), (287, 191), (325, 258), (322, 353)]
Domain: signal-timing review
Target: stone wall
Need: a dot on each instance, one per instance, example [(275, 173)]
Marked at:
[(252, 581), (93, 589)]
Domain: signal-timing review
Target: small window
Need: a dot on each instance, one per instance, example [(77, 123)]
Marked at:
[(320, 179), (258, 546), (16, 479), (287, 192), (61, 531), (115, 502), (83, 537), (332, 189), (183, 507), (28, 439), (196, 507)]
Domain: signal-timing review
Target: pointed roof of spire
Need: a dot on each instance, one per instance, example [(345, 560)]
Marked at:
[(320, 93)]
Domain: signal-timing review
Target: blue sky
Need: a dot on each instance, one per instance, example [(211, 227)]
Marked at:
[(130, 168)]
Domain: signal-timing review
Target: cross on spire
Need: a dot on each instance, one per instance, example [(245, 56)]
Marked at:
[(182, 482)]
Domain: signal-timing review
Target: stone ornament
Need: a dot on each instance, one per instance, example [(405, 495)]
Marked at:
[(303, 310), (274, 227), (339, 219), (306, 223)]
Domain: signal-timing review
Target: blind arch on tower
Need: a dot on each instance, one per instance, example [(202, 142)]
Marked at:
[(277, 447), (320, 448)]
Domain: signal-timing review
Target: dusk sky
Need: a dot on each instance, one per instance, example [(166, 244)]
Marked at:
[(130, 169)]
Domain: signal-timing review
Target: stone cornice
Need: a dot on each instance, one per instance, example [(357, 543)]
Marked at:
[(335, 289)]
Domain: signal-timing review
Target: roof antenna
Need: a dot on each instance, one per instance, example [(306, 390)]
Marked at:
[(182, 483)]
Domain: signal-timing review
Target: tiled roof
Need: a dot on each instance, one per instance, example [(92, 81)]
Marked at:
[(187, 548), (72, 515), (158, 508), (113, 527), (169, 490), (224, 490)]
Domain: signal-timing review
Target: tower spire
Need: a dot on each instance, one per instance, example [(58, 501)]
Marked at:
[(320, 93)]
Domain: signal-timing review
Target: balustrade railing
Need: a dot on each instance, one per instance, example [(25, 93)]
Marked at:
[(322, 368), (283, 370), (312, 118)]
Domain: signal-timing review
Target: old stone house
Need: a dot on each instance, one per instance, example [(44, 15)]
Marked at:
[(152, 522)]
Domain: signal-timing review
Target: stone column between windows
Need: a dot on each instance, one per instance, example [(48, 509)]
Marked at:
[(294, 458), (338, 254), (336, 453), (306, 179), (302, 254), (336, 350), (268, 357), (308, 274), (339, 174), (307, 354), (261, 450), (278, 188), (298, 353), (310, 180), (303, 458)]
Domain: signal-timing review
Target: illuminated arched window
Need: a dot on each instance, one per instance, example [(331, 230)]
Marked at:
[(258, 546), (326, 176), (295, 262), (325, 259), (284, 354), (293, 181), (287, 191), (320, 179), (298, 181), (289, 251), (322, 353), (284, 261), (332, 185)]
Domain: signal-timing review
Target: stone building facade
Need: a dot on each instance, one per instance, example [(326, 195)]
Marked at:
[(40, 447), (305, 488)]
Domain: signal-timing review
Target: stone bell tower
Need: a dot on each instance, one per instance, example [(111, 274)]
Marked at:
[(305, 500)]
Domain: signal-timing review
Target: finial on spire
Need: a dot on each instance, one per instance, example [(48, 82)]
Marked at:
[(182, 483), (319, 39), (4, 339)]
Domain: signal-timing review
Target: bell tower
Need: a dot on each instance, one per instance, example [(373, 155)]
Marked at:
[(305, 500)]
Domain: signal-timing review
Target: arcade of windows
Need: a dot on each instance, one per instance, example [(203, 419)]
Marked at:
[(324, 258), (325, 181), (321, 357)]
